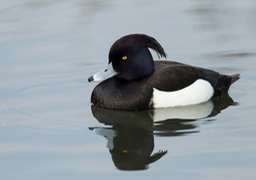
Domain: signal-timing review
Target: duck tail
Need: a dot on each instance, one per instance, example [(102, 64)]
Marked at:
[(234, 78), (223, 84)]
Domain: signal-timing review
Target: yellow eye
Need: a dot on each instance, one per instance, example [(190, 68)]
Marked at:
[(124, 58)]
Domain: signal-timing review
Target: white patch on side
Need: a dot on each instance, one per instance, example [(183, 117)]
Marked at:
[(198, 92)]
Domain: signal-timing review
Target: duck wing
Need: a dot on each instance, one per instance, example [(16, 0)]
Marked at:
[(172, 76)]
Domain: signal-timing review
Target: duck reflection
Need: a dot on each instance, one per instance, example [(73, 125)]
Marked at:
[(130, 134)]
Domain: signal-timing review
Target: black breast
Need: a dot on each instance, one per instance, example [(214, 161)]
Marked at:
[(116, 93)]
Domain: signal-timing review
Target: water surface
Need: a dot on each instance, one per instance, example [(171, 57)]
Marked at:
[(48, 129)]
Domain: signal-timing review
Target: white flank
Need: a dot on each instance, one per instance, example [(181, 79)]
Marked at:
[(198, 92)]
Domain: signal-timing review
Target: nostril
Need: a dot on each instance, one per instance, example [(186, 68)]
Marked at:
[(105, 70)]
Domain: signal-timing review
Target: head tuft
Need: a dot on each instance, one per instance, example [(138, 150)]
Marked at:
[(140, 40), (152, 43)]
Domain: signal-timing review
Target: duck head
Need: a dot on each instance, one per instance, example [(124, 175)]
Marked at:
[(130, 58)]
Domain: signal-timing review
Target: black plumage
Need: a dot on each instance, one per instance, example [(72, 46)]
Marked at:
[(138, 74)]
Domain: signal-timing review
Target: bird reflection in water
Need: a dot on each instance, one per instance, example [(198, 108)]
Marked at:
[(130, 134)]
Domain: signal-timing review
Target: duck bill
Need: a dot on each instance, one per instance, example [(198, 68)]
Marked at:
[(104, 74)]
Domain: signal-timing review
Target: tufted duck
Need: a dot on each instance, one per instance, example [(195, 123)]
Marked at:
[(134, 81)]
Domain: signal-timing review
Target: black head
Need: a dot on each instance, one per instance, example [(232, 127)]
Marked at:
[(131, 58)]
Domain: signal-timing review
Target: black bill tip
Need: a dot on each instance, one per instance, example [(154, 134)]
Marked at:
[(90, 79)]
